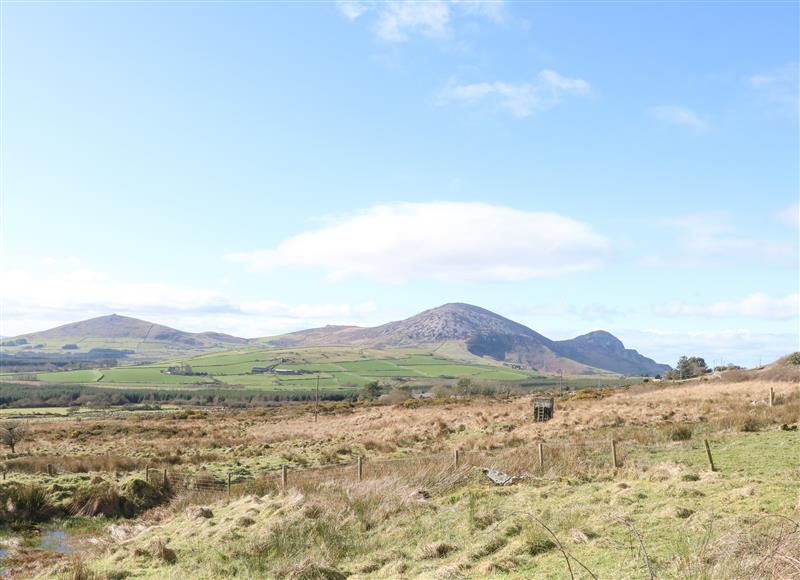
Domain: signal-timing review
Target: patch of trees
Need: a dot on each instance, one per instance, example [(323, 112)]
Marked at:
[(688, 367), (21, 395), (14, 342), (372, 390), (728, 367), (70, 346), (183, 370)]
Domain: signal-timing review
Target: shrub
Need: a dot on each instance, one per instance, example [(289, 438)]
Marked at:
[(101, 499), (141, 494), (750, 425), (681, 433), (30, 502)]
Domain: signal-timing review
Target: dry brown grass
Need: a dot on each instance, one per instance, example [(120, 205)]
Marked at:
[(652, 413)]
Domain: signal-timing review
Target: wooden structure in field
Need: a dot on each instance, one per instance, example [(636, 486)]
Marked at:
[(543, 409)]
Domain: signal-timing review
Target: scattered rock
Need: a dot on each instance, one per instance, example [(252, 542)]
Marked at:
[(195, 512), (420, 494), (11, 544), (245, 522), (498, 477), (159, 550), (746, 491), (577, 536), (122, 532)]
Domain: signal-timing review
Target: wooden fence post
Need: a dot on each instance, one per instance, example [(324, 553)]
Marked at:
[(708, 453), (614, 461), (360, 469), (164, 481), (49, 469), (147, 474), (541, 457), (229, 485), (283, 477), (455, 457), (771, 396)]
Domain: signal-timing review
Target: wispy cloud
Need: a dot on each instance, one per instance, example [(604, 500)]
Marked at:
[(705, 235), (777, 88), (398, 21), (520, 99), (758, 305), (678, 115), (790, 216), (35, 300), (439, 240)]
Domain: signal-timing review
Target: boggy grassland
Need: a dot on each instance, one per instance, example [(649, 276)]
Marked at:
[(415, 514)]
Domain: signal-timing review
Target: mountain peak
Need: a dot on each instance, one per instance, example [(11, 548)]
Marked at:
[(602, 349), (451, 321), (601, 337)]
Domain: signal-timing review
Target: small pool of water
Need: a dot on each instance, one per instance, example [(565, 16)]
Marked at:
[(56, 541)]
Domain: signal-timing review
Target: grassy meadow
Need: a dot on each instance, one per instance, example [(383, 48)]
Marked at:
[(415, 514)]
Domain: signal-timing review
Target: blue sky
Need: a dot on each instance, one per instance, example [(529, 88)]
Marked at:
[(256, 168)]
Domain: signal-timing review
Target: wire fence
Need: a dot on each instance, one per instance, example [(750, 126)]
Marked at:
[(530, 462)]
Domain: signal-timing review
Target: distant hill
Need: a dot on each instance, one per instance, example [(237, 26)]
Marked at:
[(603, 350), (487, 334), (121, 332), (472, 330)]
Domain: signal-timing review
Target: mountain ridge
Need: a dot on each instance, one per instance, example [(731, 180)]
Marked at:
[(486, 333), (482, 332)]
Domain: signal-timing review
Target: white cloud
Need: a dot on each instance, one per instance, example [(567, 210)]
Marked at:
[(87, 289), (756, 305), (519, 99), (397, 21), (790, 216), (677, 115), (439, 240), (707, 235), (352, 9), (35, 301)]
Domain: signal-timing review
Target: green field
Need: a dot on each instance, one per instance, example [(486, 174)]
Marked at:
[(336, 368)]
